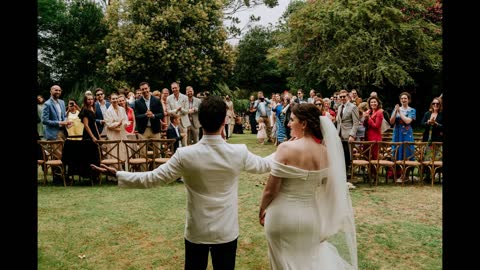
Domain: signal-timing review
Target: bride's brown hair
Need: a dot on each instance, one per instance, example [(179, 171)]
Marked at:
[(311, 115)]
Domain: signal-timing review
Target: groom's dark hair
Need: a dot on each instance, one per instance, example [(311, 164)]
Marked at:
[(211, 113)]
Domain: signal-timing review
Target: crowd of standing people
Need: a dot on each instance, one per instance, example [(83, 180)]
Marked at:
[(305, 207)]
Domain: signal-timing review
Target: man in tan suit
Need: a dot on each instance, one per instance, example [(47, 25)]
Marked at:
[(178, 104), (348, 120), (210, 170), (194, 129)]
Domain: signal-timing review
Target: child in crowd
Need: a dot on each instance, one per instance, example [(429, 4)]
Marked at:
[(261, 131)]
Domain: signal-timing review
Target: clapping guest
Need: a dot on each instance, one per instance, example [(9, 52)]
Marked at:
[(328, 111), (116, 120), (148, 113), (402, 117), (433, 122), (178, 104), (373, 119)]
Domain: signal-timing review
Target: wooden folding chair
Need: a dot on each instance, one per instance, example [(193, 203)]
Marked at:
[(162, 151), (387, 155), (52, 151), (109, 152), (361, 153), (137, 155), (412, 158), (434, 161)]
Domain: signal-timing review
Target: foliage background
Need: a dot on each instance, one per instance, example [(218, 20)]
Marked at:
[(388, 46)]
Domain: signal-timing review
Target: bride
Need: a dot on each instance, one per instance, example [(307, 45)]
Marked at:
[(306, 207)]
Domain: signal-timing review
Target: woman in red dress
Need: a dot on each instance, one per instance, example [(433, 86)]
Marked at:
[(373, 123)]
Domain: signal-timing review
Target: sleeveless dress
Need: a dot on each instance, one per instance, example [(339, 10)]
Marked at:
[(295, 222)]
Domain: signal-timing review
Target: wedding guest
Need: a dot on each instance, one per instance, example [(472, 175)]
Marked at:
[(402, 117)]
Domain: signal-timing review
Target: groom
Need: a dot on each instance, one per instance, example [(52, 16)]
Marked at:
[(210, 170)]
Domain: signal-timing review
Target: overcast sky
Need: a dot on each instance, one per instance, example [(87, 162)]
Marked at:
[(267, 15)]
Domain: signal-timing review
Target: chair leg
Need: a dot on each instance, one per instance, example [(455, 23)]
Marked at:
[(44, 175), (432, 172), (63, 177), (421, 174)]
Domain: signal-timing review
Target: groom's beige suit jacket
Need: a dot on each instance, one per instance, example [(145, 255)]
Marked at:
[(210, 170)]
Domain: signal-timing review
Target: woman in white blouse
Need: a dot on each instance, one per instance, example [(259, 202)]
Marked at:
[(116, 120)]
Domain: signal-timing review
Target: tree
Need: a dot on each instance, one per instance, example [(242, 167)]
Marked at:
[(362, 44), (232, 7), (70, 42), (165, 41), (253, 69)]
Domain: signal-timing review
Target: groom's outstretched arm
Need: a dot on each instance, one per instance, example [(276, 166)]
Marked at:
[(255, 163), (163, 174)]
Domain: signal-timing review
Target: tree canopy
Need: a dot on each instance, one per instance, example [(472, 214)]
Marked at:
[(253, 69), (165, 41), (362, 44), (70, 42)]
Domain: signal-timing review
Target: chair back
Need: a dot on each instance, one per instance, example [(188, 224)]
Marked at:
[(162, 150), (109, 152), (51, 150), (52, 157), (137, 154), (413, 151), (361, 150), (386, 157), (437, 153), (361, 155), (413, 157)]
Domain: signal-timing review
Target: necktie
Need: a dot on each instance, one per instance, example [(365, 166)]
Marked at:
[(341, 110)]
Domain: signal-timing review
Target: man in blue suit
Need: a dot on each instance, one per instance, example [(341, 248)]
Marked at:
[(53, 115), (148, 113)]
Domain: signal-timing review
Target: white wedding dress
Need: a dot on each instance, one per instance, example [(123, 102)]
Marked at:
[(311, 217)]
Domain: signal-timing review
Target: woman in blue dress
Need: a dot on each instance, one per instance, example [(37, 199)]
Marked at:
[(402, 117), (280, 114)]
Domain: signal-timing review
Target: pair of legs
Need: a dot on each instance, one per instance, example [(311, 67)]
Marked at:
[(223, 255), (346, 153)]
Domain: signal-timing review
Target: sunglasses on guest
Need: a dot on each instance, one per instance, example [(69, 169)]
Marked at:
[(342, 96), (318, 104), (435, 104)]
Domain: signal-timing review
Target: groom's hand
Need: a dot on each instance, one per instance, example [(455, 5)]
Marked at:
[(104, 169)]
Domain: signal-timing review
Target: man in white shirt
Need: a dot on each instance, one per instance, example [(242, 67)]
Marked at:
[(210, 170)]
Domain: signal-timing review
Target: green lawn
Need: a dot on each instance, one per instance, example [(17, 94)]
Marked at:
[(397, 227)]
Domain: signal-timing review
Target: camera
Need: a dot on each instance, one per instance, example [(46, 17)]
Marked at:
[(262, 99)]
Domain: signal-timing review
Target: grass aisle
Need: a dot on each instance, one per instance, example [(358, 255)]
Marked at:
[(397, 227)]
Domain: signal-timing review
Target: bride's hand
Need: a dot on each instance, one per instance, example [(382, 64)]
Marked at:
[(261, 217)]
